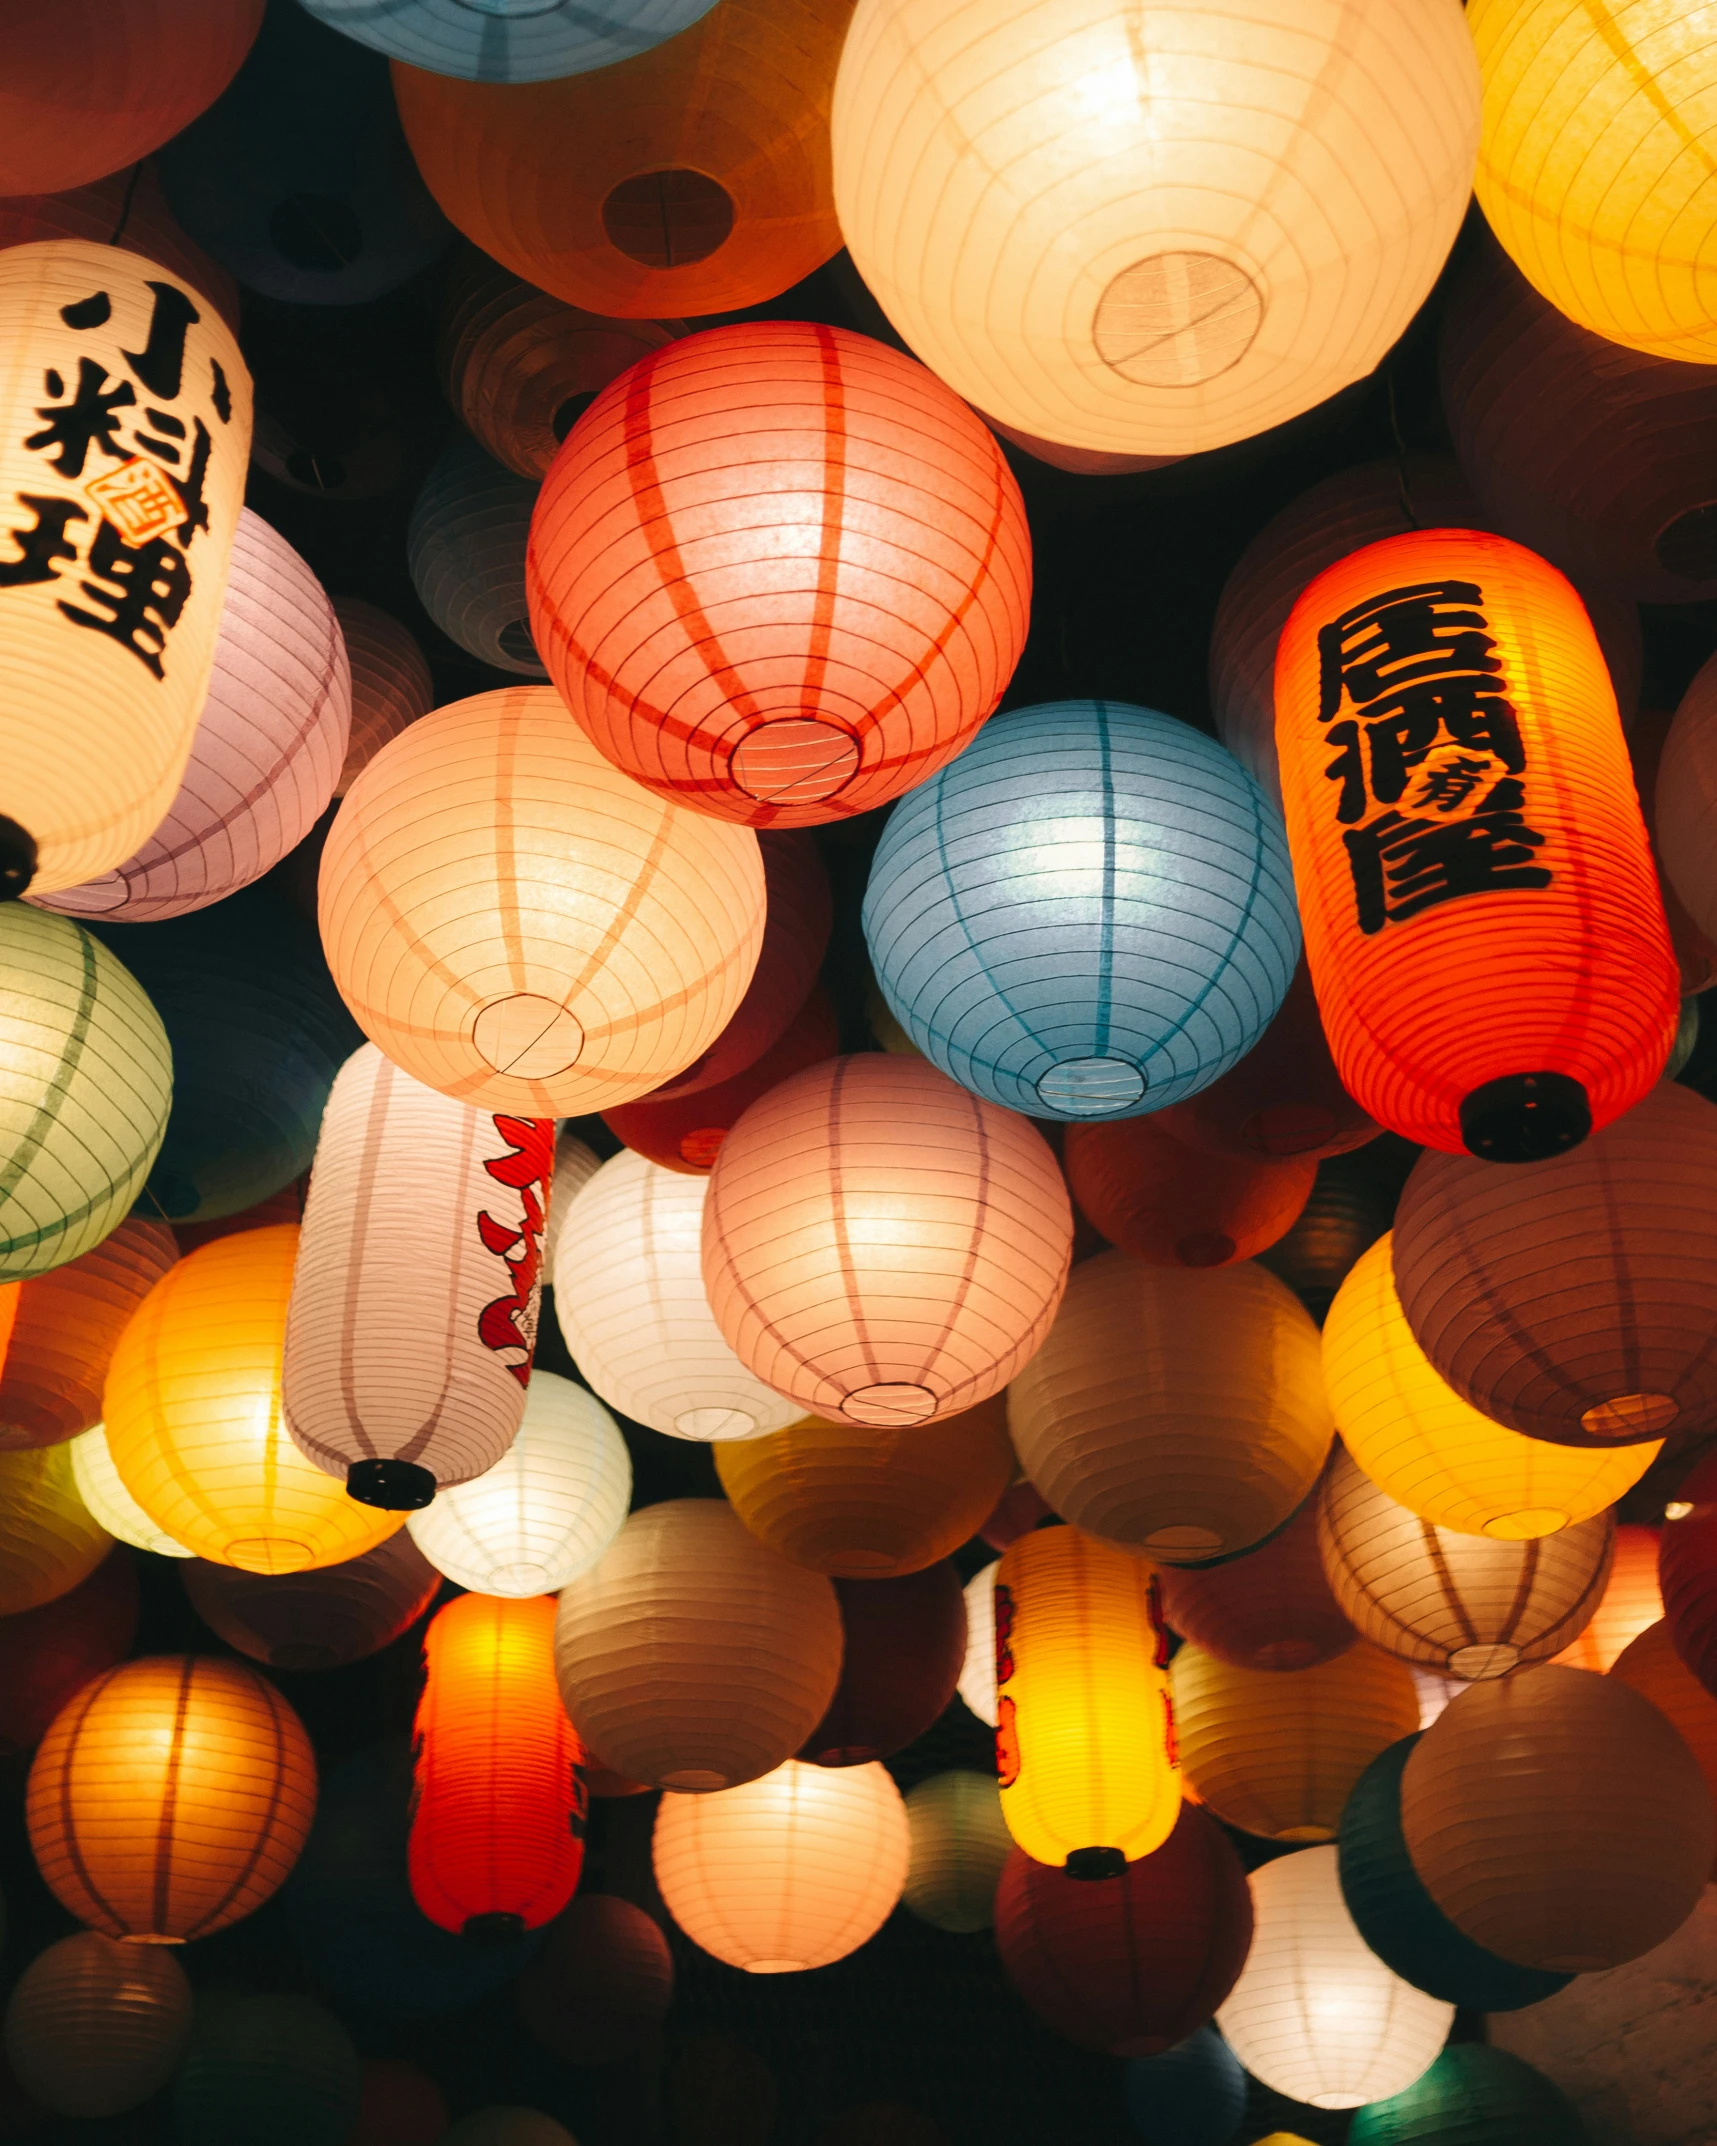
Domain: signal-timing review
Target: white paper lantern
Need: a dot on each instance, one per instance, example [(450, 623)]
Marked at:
[(977, 1684), (111, 1505), (575, 1164)]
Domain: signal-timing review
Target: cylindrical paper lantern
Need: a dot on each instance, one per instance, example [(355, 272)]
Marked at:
[(1631, 1603), (1151, 234), (1180, 1412), (1558, 1819), (466, 550), (1656, 1671), (1687, 1574), (195, 1426), (903, 1642), (316, 1620), (785, 1873), (112, 602), (1687, 799), (66, 1326), (1473, 2095), (109, 1504), (276, 2070), (870, 1503), (977, 1683), (46, 1654), (391, 685), (1480, 904), (1192, 2095), (171, 1797), (1085, 1727), (127, 209), (960, 1842), (597, 1990), (780, 572), (1574, 1299), (691, 1656), (1269, 1609), (690, 179), (1087, 915), (535, 43), (881, 1245), (1158, 1199), (1315, 2014), (546, 1510), (413, 1319), (94, 2026), (49, 1541), (518, 924)]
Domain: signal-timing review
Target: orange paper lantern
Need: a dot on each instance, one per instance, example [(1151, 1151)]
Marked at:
[(1656, 1671), (67, 1325), (1159, 1200), (1631, 1603)]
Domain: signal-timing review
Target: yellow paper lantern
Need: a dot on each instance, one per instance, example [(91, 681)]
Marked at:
[(109, 1503), (49, 1540), (1631, 1603), (94, 2026), (65, 1328), (195, 1425), (960, 1843)]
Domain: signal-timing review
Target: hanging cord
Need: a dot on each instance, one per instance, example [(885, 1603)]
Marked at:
[(125, 204), (1403, 482)]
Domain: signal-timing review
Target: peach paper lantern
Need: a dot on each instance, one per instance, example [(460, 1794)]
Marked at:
[(1631, 1603), (95, 2026), (391, 685), (65, 1328), (49, 1541), (1158, 1199), (779, 572), (881, 1245), (519, 925)]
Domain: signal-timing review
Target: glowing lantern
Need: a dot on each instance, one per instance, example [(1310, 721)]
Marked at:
[(1269, 1609), (546, 1510), (466, 549), (1477, 2096), (127, 208), (596, 1990), (100, 711), (194, 1421), (1315, 2014), (903, 1642), (960, 1843), (518, 924), (109, 1504), (279, 2071), (94, 2026), (413, 1319), (786, 1873), (1586, 1848), (780, 572), (49, 1542), (1631, 1603), (1656, 1671), (1687, 1571), (391, 685), (1158, 1199), (1087, 915), (1151, 233), (1418, 963), (47, 1654), (977, 1681), (881, 1245), (64, 1329), (316, 1620), (575, 1164), (1181, 1412), (171, 1797)]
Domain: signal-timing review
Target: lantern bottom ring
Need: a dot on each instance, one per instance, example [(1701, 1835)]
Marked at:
[(890, 1401), (1091, 1087), (17, 859), (392, 1486), (1090, 1863), (709, 1424), (1631, 1416), (795, 760), (1525, 1117), (500, 1927)]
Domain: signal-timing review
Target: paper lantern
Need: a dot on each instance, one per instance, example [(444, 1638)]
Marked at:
[(1687, 1572), (94, 2026), (785, 1873), (598, 1989), (546, 1510), (1158, 234), (1573, 1299), (539, 44), (1015, 1513), (507, 2125), (869, 1503), (575, 1164), (1470, 849), (1192, 2095), (286, 1205), (65, 122), (398, 2105), (903, 1642), (466, 550), (280, 2071), (1180, 1412), (1157, 1199), (65, 1326), (691, 1656), (1687, 799), (1585, 1846), (109, 1504), (195, 1426), (1269, 1609), (1656, 1671), (49, 1542), (960, 1842), (629, 1295), (391, 685), (112, 603), (127, 208), (977, 1681), (1087, 915), (1630, 1603), (691, 179), (316, 1620), (780, 572), (1315, 2014), (1473, 2096), (940, 1219), (84, 1094), (1085, 1728), (1400, 1921), (170, 1798), (46, 1654), (516, 923), (1695, 955)]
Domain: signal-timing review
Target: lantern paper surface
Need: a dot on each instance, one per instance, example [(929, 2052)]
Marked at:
[(94, 2026), (49, 1541), (316, 1620), (597, 1989), (1478, 2094), (275, 2070), (903, 1641), (109, 1504), (1687, 1570), (1687, 799), (960, 1843), (1270, 1608), (94, 211), (1631, 1603), (539, 43), (65, 1327), (977, 1683), (1159, 1198), (391, 685), (1192, 2095), (466, 549), (1651, 1665), (47, 1654)]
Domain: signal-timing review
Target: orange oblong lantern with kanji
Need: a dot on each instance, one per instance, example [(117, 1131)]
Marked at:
[(1482, 918)]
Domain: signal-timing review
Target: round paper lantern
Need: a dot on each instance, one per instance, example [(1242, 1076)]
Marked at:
[(516, 923), (109, 1504), (1015, 1513), (1180, 1412), (1573, 1299), (780, 572), (785, 1873), (94, 2026), (629, 1295), (1631, 1603), (903, 1642), (690, 179), (1315, 2014), (1269, 1609), (1192, 2095), (398, 2105), (691, 1656), (415, 1297), (47, 1654), (507, 2125), (1085, 1727), (391, 685), (49, 1541), (498, 1802), (170, 1797), (195, 1426), (977, 1681), (537, 43), (1434, 1453), (286, 1205), (1695, 955), (1343, 1217), (869, 1503), (466, 550), (1653, 1668), (1687, 1572), (316, 1620), (1087, 915), (280, 2071), (65, 1327), (1687, 799), (599, 1987), (575, 1164), (940, 1219), (1473, 2096), (1151, 234), (960, 1842), (1587, 1845), (107, 674), (1485, 839), (546, 1510), (127, 208), (1158, 1199)]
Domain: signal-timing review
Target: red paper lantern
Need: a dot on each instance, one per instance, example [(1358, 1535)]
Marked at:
[(600, 1985), (904, 1645), (1160, 1200), (48, 1654), (1686, 1571), (1269, 1609)]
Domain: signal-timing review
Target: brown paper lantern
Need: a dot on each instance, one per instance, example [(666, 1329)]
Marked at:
[(49, 1542), (316, 1620), (1631, 1603), (1695, 954), (95, 2026), (598, 1987), (1651, 1666), (903, 1643), (1158, 1199), (128, 209), (1687, 1572), (1269, 1609), (1343, 1218), (1686, 800), (391, 685), (67, 1326), (1557, 1818)]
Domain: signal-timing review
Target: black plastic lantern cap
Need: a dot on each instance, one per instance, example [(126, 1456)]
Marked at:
[(17, 859), (393, 1486), (499, 1929), (1525, 1117), (1096, 1863)]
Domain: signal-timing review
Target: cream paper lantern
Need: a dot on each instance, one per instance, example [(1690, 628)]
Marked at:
[(790, 1872), (546, 1510), (575, 1164), (977, 1685), (1152, 226), (95, 2025), (1315, 2014), (109, 1504), (960, 1842)]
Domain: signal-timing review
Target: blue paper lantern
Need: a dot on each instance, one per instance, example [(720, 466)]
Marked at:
[(1192, 2095), (270, 2071), (509, 40), (1472, 2095), (1089, 914), (466, 551)]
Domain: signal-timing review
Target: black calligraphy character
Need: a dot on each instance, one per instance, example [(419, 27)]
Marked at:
[(148, 586), (40, 548), (1402, 866), (220, 394), (1391, 640), (1449, 786), (86, 421), (1348, 768), (163, 421), (88, 312), (160, 363), (190, 486)]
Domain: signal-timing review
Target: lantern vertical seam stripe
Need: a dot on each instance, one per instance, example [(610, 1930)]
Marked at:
[(30, 1141)]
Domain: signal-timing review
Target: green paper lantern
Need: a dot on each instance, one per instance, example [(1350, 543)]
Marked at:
[(1472, 2096)]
